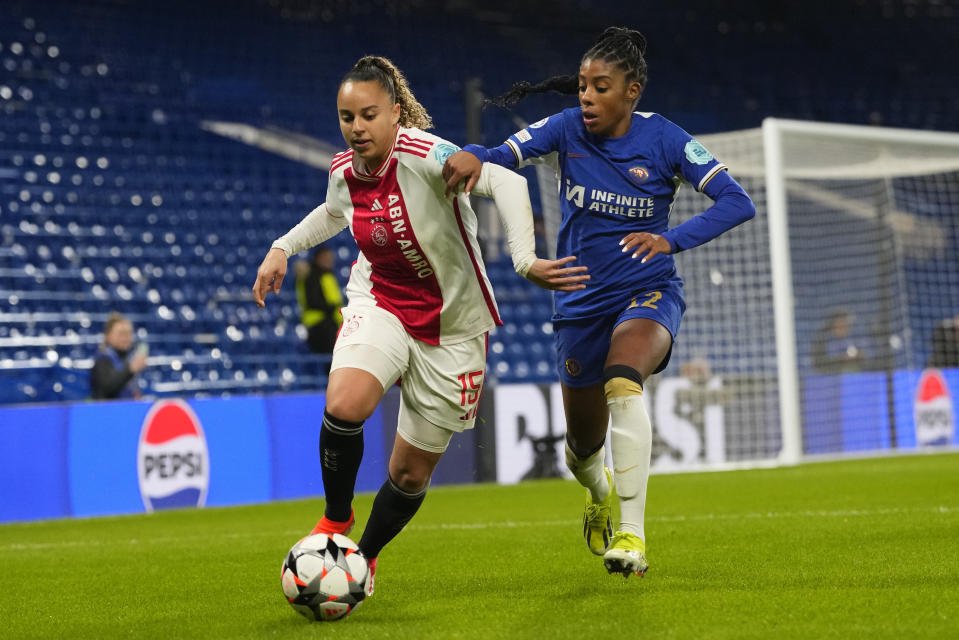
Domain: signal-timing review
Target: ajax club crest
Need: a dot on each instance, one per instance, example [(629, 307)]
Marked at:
[(380, 235)]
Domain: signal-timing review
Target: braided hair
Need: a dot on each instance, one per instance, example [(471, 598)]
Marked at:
[(383, 71), (618, 46)]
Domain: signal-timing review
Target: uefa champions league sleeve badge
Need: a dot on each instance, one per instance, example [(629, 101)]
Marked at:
[(697, 153)]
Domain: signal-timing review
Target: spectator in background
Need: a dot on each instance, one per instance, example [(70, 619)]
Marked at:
[(320, 298), (116, 366), (945, 344), (834, 350)]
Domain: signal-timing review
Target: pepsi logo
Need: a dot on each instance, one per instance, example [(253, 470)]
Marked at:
[(933, 410), (172, 457)]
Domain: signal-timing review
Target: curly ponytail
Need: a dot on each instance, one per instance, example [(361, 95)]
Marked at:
[(625, 48), (383, 71)]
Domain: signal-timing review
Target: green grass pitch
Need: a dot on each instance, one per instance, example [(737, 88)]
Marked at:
[(858, 549)]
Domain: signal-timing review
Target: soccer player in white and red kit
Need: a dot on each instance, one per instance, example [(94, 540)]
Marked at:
[(419, 302)]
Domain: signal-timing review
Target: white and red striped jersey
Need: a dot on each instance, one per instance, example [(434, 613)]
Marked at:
[(419, 257)]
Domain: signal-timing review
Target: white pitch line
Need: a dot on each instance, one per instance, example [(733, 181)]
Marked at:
[(509, 524), (836, 513)]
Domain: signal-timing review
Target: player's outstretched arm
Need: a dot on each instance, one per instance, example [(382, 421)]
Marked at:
[(319, 225), (316, 227), (508, 189), (270, 275)]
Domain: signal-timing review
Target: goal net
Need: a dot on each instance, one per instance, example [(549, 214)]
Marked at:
[(807, 328)]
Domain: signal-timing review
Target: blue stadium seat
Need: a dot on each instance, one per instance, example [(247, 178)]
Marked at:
[(112, 197)]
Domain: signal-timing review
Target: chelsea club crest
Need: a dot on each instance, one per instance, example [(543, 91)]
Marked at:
[(638, 175)]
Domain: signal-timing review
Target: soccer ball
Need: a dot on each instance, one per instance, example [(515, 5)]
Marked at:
[(325, 577)]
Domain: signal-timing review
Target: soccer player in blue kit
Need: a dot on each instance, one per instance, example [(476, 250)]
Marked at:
[(619, 172)]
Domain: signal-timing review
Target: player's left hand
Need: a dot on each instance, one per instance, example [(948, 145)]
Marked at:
[(555, 275), (650, 244)]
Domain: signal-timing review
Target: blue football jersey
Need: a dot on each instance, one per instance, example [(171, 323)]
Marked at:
[(610, 187)]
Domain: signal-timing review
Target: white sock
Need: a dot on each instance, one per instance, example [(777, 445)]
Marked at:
[(631, 441), (589, 472)]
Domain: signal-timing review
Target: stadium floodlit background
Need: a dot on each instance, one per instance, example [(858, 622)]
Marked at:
[(115, 196), (150, 152)]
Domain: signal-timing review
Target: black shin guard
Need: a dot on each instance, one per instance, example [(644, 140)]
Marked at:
[(341, 450), (392, 510)]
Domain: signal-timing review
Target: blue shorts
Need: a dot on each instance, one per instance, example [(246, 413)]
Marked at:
[(583, 344)]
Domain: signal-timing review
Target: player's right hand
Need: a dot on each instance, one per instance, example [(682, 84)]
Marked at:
[(459, 166), (552, 274), (269, 276)]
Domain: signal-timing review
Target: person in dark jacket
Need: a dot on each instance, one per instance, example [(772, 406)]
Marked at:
[(117, 364), (835, 349), (945, 345)]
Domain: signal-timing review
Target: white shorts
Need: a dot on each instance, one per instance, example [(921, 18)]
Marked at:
[(440, 384)]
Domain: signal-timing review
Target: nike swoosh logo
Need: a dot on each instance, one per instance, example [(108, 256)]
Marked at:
[(625, 470)]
